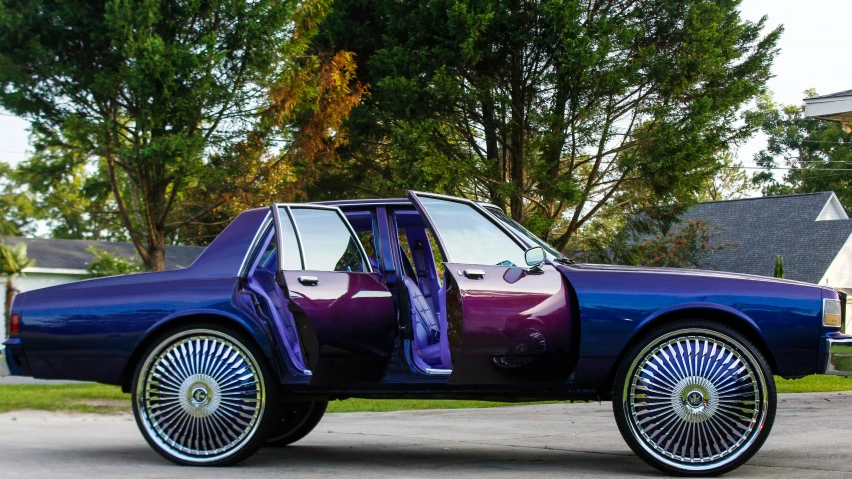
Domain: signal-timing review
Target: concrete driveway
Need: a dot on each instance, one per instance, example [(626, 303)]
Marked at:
[(811, 439)]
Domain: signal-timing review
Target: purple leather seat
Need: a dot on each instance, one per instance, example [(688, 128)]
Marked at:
[(427, 329)]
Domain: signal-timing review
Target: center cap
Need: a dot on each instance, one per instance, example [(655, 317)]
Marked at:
[(199, 395), (695, 398)]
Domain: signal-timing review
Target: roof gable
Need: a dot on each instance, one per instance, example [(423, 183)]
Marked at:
[(776, 225)]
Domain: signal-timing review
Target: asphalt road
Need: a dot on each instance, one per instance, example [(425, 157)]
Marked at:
[(811, 438)]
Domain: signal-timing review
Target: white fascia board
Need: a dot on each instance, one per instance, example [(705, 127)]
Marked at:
[(66, 271), (838, 106)]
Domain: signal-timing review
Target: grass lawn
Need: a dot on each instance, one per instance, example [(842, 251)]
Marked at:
[(96, 398)]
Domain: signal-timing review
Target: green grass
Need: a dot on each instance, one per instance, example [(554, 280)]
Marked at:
[(87, 398), (96, 398), (813, 384)]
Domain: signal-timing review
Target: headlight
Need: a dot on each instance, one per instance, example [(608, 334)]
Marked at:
[(831, 313)]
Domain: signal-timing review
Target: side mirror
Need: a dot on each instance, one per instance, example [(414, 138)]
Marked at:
[(534, 256)]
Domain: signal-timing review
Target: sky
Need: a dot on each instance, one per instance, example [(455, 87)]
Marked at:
[(814, 54)]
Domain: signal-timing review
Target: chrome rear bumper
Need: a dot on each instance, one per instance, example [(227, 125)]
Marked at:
[(839, 356)]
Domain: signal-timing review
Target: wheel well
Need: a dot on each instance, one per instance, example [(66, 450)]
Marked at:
[(724, 317), (205, 319)]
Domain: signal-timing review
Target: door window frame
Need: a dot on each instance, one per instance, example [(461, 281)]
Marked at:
[(418, 205), (279, 238)]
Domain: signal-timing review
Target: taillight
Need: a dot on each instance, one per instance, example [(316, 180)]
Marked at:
[(16, 325)]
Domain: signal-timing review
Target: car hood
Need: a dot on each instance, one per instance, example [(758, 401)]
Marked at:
[(691, 272)]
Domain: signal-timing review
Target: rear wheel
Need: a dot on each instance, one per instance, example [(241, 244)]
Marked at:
[(694, 398), (205, 397), (297, 421)]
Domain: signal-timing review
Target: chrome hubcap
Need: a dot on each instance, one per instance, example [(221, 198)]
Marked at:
[(201, 396), (695, 399)]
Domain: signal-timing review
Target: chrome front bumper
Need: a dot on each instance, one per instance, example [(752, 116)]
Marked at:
[(839, 356)]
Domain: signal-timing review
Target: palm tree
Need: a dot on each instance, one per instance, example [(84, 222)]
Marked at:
[(13, 262)]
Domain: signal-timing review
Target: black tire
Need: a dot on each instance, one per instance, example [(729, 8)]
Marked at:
[(205, 396), (298, 419), (694, 398)]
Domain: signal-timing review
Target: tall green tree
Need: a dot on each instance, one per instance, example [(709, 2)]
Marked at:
[(145, 91), (817, 153), (562, 111)]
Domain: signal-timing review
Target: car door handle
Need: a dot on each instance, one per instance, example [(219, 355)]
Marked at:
[(474, 274), (309, 280)]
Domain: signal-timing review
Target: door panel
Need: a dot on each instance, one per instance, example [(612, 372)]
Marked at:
[(344, 313), (515, 327), (353, 320), (506, 323)]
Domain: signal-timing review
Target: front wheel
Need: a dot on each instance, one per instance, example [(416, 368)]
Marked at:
[(694, 398), (205, 397)]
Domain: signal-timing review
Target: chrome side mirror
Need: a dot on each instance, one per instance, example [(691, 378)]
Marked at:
[(534, 256)]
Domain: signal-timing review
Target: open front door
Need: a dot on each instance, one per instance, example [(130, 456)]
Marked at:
[(343, 312), (507, 322)]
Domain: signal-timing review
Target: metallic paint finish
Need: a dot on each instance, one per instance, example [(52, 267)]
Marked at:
[(498, 310), (619, 303), (354, 319)]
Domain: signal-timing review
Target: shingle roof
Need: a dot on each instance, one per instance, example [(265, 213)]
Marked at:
[(832, 95), (775, 225), (72, 254)]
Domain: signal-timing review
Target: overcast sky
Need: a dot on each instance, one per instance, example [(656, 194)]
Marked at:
[(814, 54)]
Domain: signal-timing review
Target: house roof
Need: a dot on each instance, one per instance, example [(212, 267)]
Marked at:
[(71, 255), (832, 95), (775, 225)]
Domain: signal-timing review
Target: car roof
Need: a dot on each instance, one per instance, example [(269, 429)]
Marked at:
[(382, 202)]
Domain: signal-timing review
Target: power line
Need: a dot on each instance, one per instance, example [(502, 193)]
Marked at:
[(778, 168)]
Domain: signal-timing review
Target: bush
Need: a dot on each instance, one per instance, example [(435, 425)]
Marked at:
[(110, 264)]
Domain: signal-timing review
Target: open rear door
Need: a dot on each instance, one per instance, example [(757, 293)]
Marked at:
[(344, 313), (507, 323)]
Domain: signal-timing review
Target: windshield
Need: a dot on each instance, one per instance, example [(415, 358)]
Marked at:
[(522, 232)]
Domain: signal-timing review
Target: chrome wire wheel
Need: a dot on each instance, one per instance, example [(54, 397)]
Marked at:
[(200, 396), (695, 400)]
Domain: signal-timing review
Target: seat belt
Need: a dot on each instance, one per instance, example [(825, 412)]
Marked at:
[(420, 266)]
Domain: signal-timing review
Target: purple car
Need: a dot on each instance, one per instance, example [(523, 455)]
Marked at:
[(428, 297)]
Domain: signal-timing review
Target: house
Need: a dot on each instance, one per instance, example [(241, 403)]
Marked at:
[(59, 261), (811, 231), (834, 107)]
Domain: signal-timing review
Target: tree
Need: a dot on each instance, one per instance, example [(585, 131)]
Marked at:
[(66, 194), (686, 245), (730, 183), (146, 91), (564, 111), (817, 153), (13, 262), (110, 264), (779, 266)]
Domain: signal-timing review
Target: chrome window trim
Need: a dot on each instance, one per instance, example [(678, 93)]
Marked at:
[(243, 271), (473, 205), (307, 206)]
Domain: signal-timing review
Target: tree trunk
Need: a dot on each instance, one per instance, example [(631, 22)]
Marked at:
[(516, 136), (156, 251), (10, 296)]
